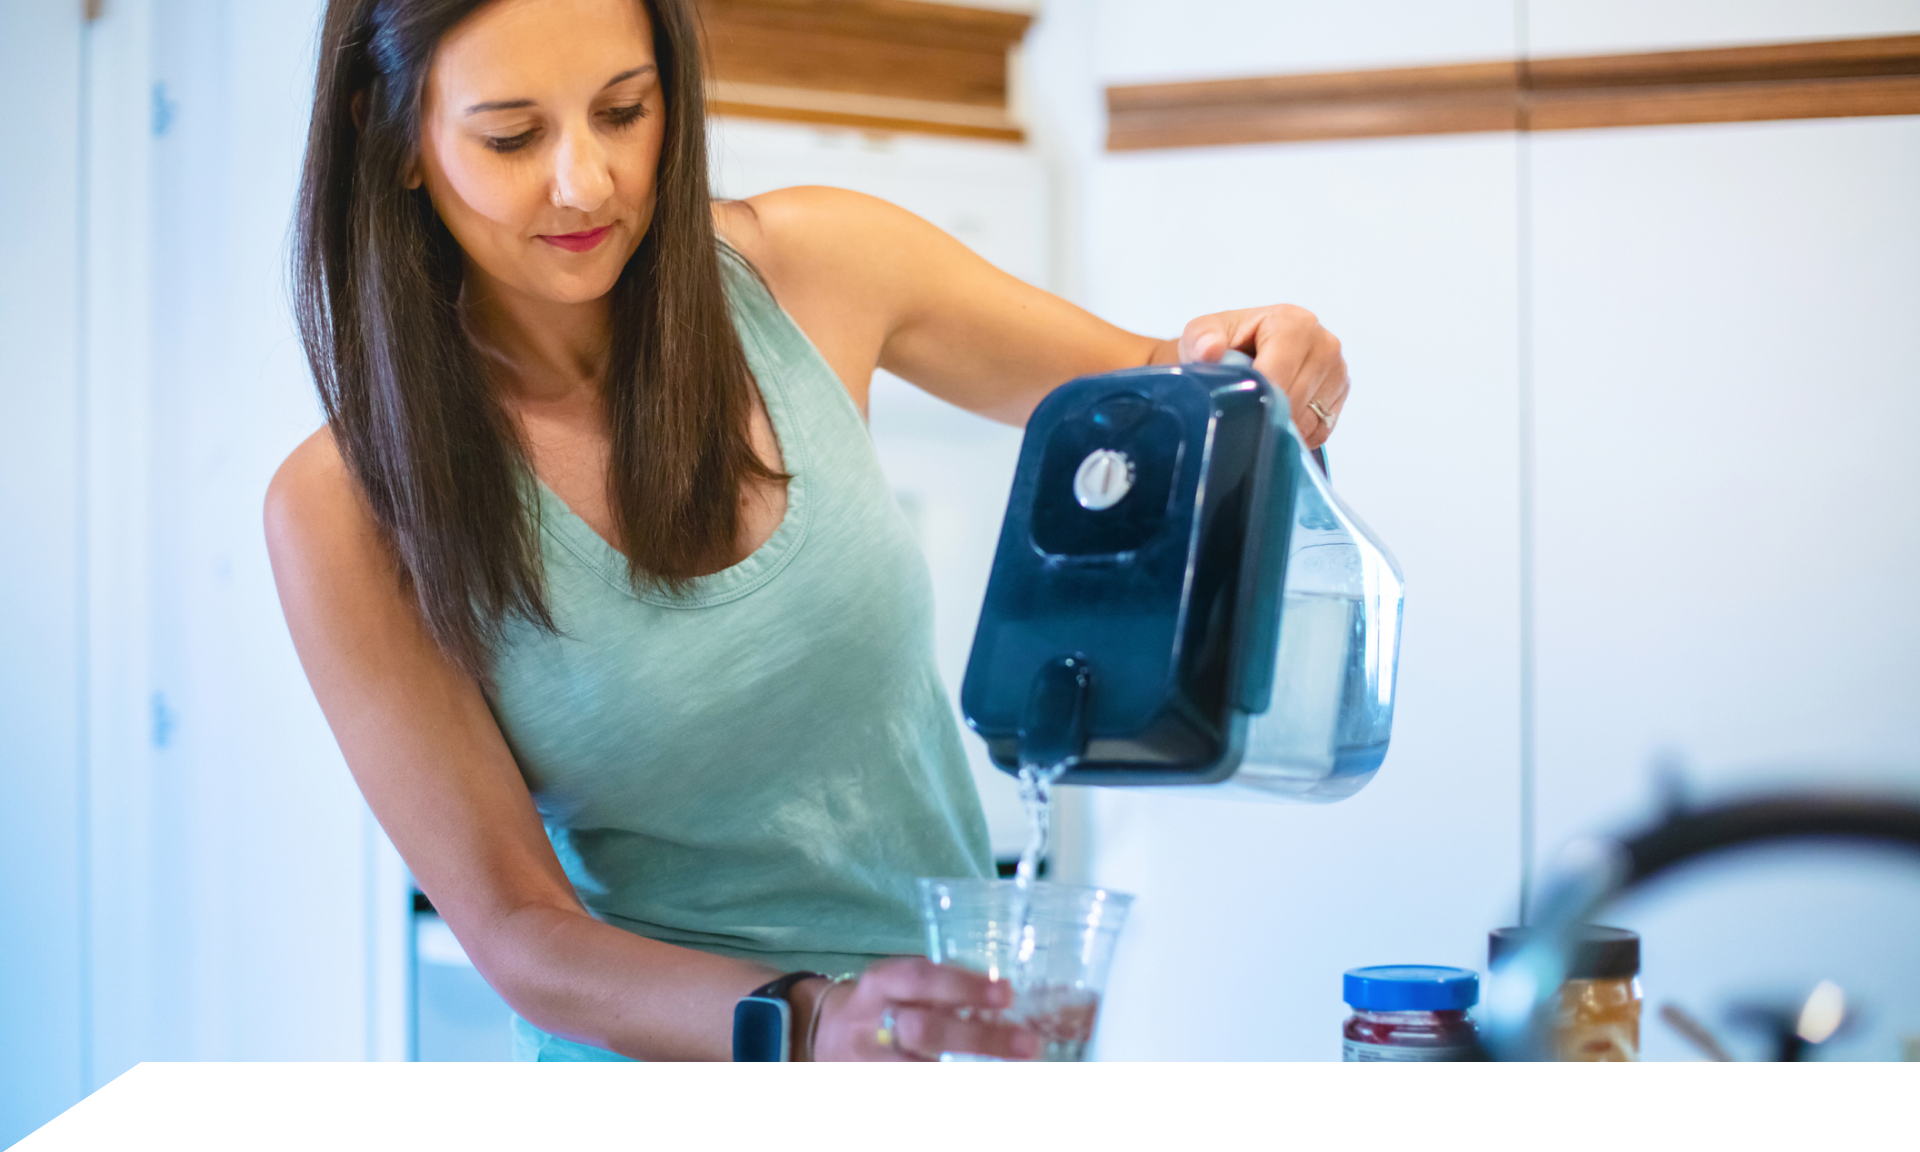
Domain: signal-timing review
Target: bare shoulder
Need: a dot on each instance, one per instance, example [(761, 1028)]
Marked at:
[(806, 231), (314, 508), (784, 210)]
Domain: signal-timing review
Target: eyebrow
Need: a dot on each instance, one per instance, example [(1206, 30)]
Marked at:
[(504, 105)]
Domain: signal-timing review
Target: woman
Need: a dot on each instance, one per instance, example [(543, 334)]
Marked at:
[(593, 570)]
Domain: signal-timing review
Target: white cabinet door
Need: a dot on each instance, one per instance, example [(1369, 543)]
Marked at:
[(1585, 28), (1728, 505), (278, 913)]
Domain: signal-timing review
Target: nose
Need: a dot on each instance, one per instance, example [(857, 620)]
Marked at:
[(581, 180)]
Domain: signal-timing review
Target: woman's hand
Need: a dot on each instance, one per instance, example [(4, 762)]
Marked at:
[(934, 1009), (1290, 348)]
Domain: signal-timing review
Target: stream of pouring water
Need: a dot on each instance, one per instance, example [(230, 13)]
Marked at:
[(1061, 1013), (1036, 796)]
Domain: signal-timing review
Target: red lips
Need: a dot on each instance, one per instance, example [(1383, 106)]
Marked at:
[(580, 241)]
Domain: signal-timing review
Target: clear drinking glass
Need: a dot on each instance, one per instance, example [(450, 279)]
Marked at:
[(1057, 964)]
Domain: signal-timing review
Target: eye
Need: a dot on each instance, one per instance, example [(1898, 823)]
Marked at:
[(621, 117), (510, 143)]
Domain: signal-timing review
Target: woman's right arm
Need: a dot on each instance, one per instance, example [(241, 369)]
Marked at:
[(432, 764)]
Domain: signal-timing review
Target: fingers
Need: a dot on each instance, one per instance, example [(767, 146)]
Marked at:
[(1285, 341), (1205, 348), (912, 1009), (1318, 391), (913, 980), (1206, 339), (1304, 360), (926, 1032), (1290, 348)]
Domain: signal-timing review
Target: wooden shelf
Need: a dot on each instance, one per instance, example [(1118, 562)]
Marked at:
[(893, 65), (1873, 77)]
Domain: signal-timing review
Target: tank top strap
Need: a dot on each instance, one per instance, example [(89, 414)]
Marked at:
[(778, 349)]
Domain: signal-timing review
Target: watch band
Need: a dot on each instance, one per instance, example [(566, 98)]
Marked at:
[(763, 1021), (778, 989)]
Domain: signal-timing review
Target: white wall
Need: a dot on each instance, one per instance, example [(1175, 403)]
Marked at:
[(42, 711)]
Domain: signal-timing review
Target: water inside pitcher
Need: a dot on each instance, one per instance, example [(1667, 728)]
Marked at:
[(1326, 731)]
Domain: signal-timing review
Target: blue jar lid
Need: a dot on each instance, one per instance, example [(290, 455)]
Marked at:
[(1412, 988)]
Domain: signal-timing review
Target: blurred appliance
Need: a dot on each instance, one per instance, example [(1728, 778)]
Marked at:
[(1178, 597), (1520, 1005)]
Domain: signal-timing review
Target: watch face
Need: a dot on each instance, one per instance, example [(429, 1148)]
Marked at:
[(760, 1028)]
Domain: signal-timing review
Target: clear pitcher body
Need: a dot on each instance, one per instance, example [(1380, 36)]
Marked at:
[(1326, 731)]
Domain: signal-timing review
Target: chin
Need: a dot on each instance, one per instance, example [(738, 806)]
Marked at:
[(578, 289)]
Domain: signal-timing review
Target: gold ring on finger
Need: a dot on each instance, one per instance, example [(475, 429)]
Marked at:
[(887, 1034), (1325, 416)]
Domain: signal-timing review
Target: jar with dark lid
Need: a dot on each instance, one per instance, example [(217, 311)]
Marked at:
[(1411, 1012), (1599, 1011)]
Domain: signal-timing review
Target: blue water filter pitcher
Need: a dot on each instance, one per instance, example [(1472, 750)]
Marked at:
[(1178, 597)]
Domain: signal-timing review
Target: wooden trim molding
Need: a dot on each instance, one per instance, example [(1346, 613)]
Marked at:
[(892, 65), (1872, 77)]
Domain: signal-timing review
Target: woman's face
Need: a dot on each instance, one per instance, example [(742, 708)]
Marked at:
[(540, 140)]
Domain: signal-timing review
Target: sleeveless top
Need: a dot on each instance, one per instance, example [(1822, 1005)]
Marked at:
[(758, 766)]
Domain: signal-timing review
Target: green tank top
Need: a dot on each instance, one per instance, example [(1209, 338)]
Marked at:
[(761, 765)]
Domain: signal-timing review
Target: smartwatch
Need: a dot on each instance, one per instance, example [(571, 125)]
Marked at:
[(763, 1020)]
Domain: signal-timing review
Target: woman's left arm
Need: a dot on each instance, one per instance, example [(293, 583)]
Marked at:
[(875, 286)]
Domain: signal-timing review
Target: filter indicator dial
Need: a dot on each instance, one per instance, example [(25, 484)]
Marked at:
[(1103, 479)]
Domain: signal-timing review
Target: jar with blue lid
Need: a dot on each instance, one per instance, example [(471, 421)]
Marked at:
[(1411, 1012)]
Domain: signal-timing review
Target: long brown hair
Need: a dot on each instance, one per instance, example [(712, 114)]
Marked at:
[(376, 291)]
